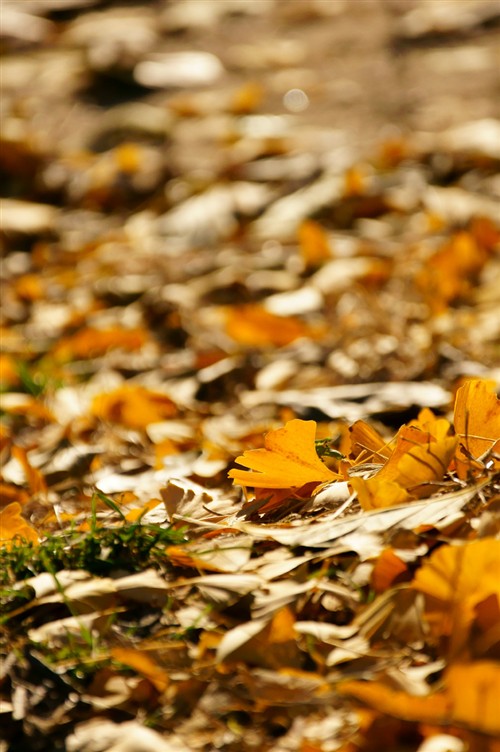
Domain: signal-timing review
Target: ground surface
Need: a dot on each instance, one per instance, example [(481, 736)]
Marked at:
[(223, 219)]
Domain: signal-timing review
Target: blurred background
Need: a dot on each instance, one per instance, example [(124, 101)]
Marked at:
[(160, 159)]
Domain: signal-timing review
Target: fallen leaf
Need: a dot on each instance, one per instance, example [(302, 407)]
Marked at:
[(253, 326), (13, 526), (270, 643), (469, 698), (314, 244), (367, 444), (93, 343), (141, 662), (133, 406), (477, 424), (36, 481), (376, 493), (288, 460), (455, 579), (387, 571)]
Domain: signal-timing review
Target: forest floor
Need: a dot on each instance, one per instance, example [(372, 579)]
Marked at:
[(257, 234)]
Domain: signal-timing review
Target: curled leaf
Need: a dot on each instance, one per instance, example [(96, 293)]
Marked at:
[(477, 424)]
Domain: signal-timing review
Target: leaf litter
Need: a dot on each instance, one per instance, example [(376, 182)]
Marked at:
[(250, 432)]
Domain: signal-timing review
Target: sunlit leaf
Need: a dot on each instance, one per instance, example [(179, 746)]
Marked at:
[(14, 526), (367, 444), (425, 464), (438, 428), (477, 424), (376, 493), (418, 459), (288, 460), (133, 406)]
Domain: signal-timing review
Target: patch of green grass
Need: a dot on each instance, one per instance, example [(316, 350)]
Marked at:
[(128, 547)]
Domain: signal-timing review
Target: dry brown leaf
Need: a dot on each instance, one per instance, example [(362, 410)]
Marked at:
[(270, 643)]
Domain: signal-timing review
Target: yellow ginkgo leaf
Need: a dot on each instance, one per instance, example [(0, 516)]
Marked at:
[(438, 428), (418, 459), (367, 444), (288, 460), (425, 464), (14, 526), (477, 423), (455, 579)]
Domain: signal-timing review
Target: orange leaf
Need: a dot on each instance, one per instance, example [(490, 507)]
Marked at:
[(36, 481), (469, 698), (10, 492), (252, 325), (9, 375), (432, 709), (141, 662), (477, 423), (314, 244), (288, 460), (92, 343), (387, 569), (133, 406), (449, 274), (13, 525)]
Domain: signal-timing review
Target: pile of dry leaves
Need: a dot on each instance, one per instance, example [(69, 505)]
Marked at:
[(250, 437)]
